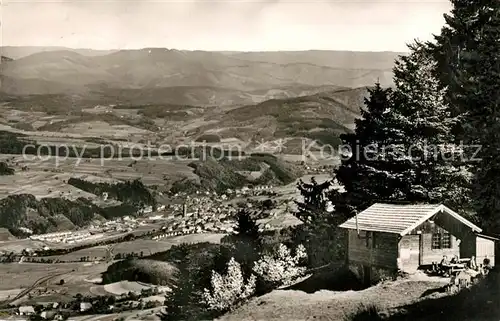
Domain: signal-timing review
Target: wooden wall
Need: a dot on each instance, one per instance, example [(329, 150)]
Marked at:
[(430, 255), (453, 226), (373, 249), (485, 248), (427, 254)]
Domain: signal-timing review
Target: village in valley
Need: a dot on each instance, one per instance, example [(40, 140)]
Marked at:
[(164, 184)]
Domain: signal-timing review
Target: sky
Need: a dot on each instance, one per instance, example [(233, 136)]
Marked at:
[(234, 25)]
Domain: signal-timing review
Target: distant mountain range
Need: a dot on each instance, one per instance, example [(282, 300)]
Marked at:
[(23, 51), (166, 72)]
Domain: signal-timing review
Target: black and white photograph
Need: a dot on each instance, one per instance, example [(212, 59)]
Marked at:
[(250, 160)]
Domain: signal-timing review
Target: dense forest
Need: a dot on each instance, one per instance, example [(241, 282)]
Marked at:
[(53, 214), (220, 175), (130, 192)]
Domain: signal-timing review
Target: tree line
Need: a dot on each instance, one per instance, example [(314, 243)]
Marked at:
[(14, 210), (130, 192)]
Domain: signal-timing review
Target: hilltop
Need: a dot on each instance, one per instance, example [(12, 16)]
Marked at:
[(322, 117)]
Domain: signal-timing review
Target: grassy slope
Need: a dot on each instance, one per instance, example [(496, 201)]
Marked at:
[(327, 305), (322, 117), (478, 303), (401, 300), (160, 268)]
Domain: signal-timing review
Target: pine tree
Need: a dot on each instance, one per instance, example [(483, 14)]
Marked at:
[(319, 233), (468, 49), (247, 241), (314, 202), (246, 226), (402, 148), (435, 172), (368, 170)]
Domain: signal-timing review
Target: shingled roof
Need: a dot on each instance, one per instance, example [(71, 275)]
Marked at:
[(400, 219)]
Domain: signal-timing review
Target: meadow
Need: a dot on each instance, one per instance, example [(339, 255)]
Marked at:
[(48, 177)]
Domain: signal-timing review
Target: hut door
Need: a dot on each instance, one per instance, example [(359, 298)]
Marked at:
[(414, 251), (410, 252)]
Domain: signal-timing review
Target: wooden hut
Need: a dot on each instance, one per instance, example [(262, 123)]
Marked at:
[(387, 238)]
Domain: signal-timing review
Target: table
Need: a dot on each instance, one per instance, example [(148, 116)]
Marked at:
[(453, 267)]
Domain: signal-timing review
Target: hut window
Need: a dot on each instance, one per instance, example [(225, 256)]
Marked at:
[(441, 241), (445, 240), (436, 241)]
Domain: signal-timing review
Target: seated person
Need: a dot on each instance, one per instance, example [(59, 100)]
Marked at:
[(444, 261), (454, 260), (435, 267), (443, 265), (487, 264)]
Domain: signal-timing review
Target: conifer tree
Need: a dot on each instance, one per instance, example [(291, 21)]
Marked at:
[(246, 226), (320, 235), (314, 195), (468, 55), (367, 174), (402, 148), (435, 172), (247, 242)]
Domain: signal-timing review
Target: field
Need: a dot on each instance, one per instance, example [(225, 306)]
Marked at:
[(103, 130), (146, 314), (290, 190), (17, 246), (5, 235), (124, 287), (47, 178), (149, 247), (24, 275), (80, 277), (6, 294), (41, 184)]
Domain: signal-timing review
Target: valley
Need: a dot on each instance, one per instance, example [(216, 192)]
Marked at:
[(129, 177)]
